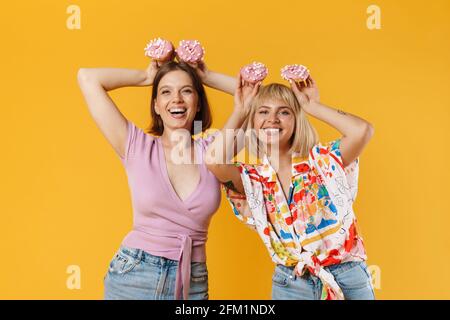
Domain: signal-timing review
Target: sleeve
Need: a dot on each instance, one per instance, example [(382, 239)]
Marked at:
[(135, 143), (328, 161), (239, 202), (207, 138)]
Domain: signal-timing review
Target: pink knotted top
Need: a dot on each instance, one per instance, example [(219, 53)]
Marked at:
[(163, 224)]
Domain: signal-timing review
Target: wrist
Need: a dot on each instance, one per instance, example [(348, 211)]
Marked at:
[(239, 114), (206, 79), (311, 105), (146, 80)]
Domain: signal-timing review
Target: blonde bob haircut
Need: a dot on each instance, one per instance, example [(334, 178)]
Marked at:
[(304, 136)]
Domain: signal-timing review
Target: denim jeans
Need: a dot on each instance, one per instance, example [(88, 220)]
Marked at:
[(134, 274), (352, 277)]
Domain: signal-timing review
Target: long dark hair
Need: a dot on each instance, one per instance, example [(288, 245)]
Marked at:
[(204, 115)]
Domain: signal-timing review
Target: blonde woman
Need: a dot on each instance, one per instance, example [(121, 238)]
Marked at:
[(299, 195)]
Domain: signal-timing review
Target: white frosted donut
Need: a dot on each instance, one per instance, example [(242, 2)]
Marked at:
[(295, 72), (190, 51), (254, 72), (159, 49)]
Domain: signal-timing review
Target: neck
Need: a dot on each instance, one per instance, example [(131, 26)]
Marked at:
[(280, 158), (279, 151), (171, 138)]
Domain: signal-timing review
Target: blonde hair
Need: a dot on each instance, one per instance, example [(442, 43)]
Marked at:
[(305, 135)]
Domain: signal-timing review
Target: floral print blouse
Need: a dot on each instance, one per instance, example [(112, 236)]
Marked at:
[(316, 226)]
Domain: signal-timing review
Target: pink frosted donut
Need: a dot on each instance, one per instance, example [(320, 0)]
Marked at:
[(295, 72), (254, 72), (159, 49), (190, 51)]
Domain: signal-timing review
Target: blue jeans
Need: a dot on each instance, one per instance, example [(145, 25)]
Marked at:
[(134, 274), (352, 277)]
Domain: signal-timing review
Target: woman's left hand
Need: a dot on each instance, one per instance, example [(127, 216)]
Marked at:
[(306, 94)]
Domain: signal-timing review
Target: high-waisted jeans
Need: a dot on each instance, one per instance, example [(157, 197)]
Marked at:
[(137, 275), (352, 277)]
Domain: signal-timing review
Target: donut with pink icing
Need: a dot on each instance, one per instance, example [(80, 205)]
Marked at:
[(295, 72), (159, 49), (190, 51), (254, 72)]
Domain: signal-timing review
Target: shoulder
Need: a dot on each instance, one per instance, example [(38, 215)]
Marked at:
[(324, 153), (206, 138), (137, 141)]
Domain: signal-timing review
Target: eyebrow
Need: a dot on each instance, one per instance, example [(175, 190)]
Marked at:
[(169, 87), (282, 107)]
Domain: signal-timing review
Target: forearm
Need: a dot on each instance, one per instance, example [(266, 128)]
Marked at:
[(220, 82), (113, 78), (230, 139), (345, 123)]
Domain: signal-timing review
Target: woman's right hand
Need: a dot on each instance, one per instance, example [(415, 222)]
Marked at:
[(244, 94), (150, 72)]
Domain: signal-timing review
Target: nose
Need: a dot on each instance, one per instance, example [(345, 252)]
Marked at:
[(273, 118), (178, 97)]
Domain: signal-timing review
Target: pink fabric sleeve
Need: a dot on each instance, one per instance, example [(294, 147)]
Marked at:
[(135, 143), (208, 138)]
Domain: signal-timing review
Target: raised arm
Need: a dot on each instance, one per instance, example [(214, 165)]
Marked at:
[(95, 83), (356, 132), (224, 146), (215, 80)]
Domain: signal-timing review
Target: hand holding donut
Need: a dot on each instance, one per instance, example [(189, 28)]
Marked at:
[(244, 94), (249, 80), (160, 50), (302, 84)]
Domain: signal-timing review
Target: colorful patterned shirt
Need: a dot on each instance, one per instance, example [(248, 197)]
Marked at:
[(316, 226)]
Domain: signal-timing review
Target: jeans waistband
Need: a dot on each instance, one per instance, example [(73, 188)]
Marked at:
[(335, 268), (144, 256)]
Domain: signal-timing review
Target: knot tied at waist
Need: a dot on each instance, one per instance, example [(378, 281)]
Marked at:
[(330, 288), (183, 279), (182, 247)]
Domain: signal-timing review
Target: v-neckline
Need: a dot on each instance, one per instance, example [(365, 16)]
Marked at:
[(291, 184), (286, 197), (167, 182)]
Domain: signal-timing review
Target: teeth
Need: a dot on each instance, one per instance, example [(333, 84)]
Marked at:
[(272, 130), (177, 110)]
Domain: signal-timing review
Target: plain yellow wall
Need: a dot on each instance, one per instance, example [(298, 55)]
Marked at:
[(64, 193)]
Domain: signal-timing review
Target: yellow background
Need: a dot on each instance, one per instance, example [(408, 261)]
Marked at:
[(64, 193)]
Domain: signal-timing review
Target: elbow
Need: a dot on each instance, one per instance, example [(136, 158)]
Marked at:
[(367, 131), (211, 166), (84, 75), (217, 169), (81, 73)]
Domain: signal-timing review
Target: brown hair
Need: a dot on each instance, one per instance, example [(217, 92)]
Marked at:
[(204, 115)]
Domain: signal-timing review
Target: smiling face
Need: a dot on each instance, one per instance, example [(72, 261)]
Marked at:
[(280, 123), (274, 122), (176, 100)]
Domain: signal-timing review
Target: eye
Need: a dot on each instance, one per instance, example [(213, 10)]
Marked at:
[(187, 91), (263, 112), (285, 113), (165, 92)]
